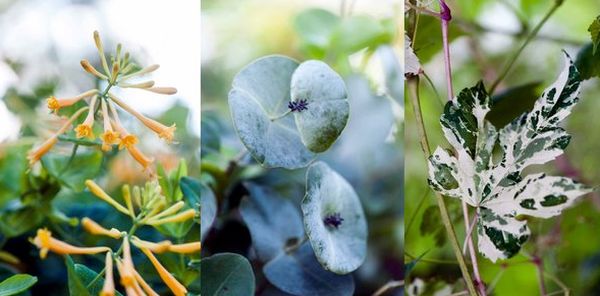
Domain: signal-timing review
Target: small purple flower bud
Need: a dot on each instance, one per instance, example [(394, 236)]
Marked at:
[(298, 106), (333, 220), (445, 13)]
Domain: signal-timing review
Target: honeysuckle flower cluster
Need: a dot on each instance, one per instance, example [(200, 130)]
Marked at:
[(103, 102), (145, 206)]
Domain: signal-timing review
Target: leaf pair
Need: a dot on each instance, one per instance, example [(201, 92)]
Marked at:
[(260, 101), (498, 189), (278, 230)]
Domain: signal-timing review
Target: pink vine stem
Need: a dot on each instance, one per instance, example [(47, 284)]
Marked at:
[(446, 16)]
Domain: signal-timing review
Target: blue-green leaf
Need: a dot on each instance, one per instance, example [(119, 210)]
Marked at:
[(327, 112), (299, 273), (274, 222), (260, 94), (226, 274), (334, 220)]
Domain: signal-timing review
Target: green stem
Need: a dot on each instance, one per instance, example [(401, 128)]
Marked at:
[(119, 251), (413, 85), (532, 34), (71, 158)]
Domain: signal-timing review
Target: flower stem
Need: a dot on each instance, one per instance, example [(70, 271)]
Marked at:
[(532, 34), (413, 85)]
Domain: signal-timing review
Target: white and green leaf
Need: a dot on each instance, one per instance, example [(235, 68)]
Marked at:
[(499, 190)]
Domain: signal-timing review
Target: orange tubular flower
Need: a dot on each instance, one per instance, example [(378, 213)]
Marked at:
[(96, 229), (85, 129), (55, 104), (188, 248), (129, 290), (127, 139), (45, 242), (177, 288), (109, 137), (163, 131), (35, 155), (142, 159), (144, 285), (108, 289), (127, 272), (158, 248)]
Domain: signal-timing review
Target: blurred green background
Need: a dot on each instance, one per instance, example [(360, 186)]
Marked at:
[(484, 35)]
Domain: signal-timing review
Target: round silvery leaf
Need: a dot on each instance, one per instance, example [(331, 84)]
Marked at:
[(334, 220), (259, 97), (273, 221), (299, 273), (323, 91)]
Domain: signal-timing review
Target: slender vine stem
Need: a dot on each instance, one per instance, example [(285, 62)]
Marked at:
[(539, 264), (446, 17), (413, 85), (532, 34)]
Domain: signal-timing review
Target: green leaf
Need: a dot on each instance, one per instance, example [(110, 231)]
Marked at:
[(357, 32), (76, 285), (260, 93), (192, 191), (499, 190), (226, 274), (327, 112), (85, 165), (274, 222), (16, 284), (315, 27), (588, 62), (427, 44), (339, 247), (15, 221), (86, 276), (594, 30)]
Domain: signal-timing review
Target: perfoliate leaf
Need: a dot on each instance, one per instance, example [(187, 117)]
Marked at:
[(226, 274), (499, 190), (334, 220), (594, 30)]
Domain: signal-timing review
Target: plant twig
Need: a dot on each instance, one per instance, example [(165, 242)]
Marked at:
[(532, 34), (388, 286), (413, 86)]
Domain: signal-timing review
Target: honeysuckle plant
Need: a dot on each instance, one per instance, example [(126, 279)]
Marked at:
[(116, 71), (145, 206)]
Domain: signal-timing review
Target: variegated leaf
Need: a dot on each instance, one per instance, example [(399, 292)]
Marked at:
[(498, 190)]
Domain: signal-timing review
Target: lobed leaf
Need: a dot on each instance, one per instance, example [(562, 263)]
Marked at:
[(498, 189)]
